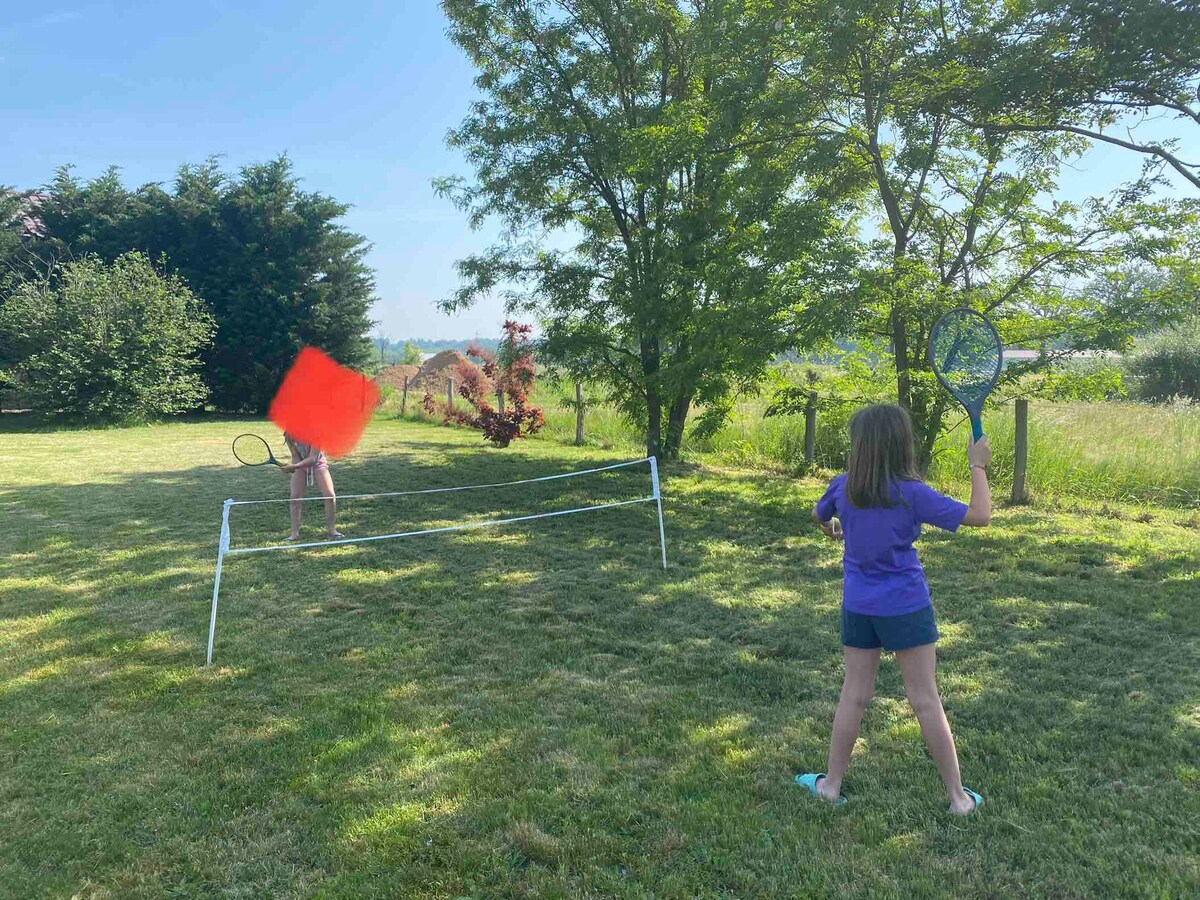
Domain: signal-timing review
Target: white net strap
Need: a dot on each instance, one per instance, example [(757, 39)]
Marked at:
[(443, 490), (463, 527)]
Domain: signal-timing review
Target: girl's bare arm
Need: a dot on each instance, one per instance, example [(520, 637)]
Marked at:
[(979, 512)]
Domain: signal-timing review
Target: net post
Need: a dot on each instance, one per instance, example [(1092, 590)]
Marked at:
[(662, 532), (222, 547)]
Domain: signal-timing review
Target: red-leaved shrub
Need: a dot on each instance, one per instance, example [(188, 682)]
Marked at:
[(511, 372)]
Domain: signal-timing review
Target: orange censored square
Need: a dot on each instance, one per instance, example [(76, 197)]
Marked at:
[(323, 403)]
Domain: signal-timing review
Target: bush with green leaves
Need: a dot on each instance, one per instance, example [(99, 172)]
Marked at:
[(1168, 364), (272, 262), (106, 342)]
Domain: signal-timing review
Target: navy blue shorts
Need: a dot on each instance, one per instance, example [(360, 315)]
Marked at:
[(903, 632)]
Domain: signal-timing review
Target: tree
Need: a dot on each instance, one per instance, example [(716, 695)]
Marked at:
[(648, 133), (967, 211), (1100, 69), (1167, 365), (269, 259), (113, 343), (412, 355), (10, 229), (512, 374), (383, 343)]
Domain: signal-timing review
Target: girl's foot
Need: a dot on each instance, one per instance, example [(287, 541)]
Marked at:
[(292, 539), (818, 786), (334, 534), (967, 804)]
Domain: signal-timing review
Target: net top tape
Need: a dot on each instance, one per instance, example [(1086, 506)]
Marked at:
[(442, 490), (467, 526)]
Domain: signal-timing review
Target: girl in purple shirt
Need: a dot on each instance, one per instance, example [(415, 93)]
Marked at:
[(877, 508)]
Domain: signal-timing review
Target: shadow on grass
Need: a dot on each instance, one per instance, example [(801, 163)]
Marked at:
[(543, 710)]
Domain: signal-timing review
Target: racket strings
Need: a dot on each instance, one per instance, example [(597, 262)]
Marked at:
[(251, 450), (967, 355)]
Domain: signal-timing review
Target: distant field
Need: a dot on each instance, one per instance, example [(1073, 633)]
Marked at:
[(541, 710)]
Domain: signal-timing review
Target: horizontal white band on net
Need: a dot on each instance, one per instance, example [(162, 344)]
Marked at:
[(465, 487), (464, 527)]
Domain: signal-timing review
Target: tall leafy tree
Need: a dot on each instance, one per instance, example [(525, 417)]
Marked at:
[(10, 229), (648, 133), (967, 212), (269, 259)]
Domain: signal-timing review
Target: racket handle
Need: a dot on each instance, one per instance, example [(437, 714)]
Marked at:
[(977, 427)]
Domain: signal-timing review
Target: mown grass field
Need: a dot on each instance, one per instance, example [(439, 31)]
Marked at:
[(541, 710)]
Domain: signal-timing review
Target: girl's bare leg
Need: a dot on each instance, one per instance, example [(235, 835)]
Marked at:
[(857, 691), (919, 668), (324, 483), (297, 492)]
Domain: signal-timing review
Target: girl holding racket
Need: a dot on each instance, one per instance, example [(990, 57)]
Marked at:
[(309, 466), (877, 508)]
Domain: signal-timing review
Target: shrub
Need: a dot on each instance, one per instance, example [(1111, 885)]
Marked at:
[(1168, 365), (511, 372), (107, 343)]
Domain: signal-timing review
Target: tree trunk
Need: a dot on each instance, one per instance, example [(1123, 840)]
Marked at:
[(927, 425), (900, 351), (650, 363), (578, 414), (676, 420), (654, 422)]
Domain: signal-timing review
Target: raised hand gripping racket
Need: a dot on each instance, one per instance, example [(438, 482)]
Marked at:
[(251, 450), (966, 354)]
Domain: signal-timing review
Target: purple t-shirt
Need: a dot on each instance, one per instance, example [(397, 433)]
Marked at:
[(883, 576)]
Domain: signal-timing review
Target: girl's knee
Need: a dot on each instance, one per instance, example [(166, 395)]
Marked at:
[(924, 702), (857, 699)]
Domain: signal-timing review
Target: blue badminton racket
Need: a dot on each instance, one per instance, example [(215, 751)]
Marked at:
[(967, 356)]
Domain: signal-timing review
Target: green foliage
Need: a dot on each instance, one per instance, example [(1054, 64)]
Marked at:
[(410, 354), (969, 212), (701, 208), (1094, 379), (10, 229), (434, 345), (108, 343), (389, 353), (1167, 365), (268, 259), (1097, 68), (16, 232)]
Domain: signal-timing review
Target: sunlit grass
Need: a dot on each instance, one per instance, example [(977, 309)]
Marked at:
[(542, 711)]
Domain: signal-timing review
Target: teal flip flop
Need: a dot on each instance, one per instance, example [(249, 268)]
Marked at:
[(810, 781), (976, 797)]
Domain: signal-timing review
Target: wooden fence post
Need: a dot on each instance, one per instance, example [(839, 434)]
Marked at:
[(578, 414), (450, 394), (1021, 462), (404, 397), (810, 429)]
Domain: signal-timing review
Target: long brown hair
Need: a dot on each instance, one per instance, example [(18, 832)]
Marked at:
[(881, 453)]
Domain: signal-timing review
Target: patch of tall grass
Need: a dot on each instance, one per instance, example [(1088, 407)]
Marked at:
[(1114, 452)]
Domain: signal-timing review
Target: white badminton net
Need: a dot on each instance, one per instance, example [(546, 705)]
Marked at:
[(224, 549)]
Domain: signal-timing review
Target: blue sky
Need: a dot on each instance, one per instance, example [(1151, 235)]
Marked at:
[(359, 94)]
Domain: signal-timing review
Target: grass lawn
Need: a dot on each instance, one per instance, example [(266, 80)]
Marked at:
[(541, 710)]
